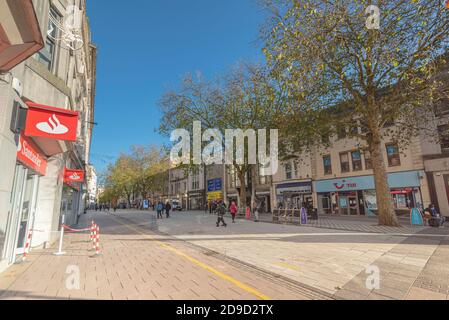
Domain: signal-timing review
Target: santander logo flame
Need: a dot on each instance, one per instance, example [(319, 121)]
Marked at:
[(75, 176), (52, 126)]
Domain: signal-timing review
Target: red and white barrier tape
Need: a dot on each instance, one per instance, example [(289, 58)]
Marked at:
[(75, 230), (28, 244)]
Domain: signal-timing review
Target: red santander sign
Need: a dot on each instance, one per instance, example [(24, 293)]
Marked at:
[(29, 154), (50, 122), (73, 176)]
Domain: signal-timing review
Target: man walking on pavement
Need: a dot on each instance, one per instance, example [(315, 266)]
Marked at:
[(221, 210), (159, 209), (167, 209)]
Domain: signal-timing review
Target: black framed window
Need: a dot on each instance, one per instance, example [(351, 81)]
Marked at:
[(327, 163), (288, 171), (394, 158), (344, 162), (443, 132), (47, 55), (368, 161), (356, 161)]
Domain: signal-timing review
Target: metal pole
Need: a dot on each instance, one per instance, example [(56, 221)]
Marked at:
[(61, 238)]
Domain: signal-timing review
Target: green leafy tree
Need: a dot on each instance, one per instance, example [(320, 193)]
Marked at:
[(339, 71), (245, 98)]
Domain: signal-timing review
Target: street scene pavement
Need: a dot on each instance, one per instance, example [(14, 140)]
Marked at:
[(187, 257)]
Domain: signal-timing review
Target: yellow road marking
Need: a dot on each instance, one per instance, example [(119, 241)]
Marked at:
[(201, 264), (286, 265)]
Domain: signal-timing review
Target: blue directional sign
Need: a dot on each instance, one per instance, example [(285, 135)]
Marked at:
[(217, 184), (214, 185)]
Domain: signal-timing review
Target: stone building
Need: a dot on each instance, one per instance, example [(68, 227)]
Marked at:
[(46, 119)]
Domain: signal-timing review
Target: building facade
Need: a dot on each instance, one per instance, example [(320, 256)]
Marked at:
[(178, 178), (92, 187), (46, 116), (344, 181)]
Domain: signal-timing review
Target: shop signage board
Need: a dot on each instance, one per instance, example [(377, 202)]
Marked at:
[(395, 180), (28, 154), (294, 187), (73, 176), (50, 122)]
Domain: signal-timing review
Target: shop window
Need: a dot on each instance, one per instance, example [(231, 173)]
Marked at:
[(443, 132), (288, 171), (394, 158), (325, 203), (344, 162), (327, 163), (356, 161), (368, 161)]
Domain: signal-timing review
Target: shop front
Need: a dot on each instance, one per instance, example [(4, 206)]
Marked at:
[(39, 132), (196, 200), (294, 195), (356, 196), (31, 165), (263, 200), (72, 195)]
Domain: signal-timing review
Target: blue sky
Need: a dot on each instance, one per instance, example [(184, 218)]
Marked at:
[(146, 46)]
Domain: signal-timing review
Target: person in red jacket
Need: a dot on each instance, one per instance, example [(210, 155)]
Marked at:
[(233, 211)]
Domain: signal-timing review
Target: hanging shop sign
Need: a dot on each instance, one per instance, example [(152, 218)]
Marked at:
[(73, 176), (29, 154), (50, 122)]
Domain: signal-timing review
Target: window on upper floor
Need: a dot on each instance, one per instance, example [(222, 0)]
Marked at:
[(368, 162), (354, 129), (295, 169), (48, 55), (341, 132), (195, 182), (288, 171), (262, 177), (327, 163), (344, 162), (394, 158), (443, 132), (356, 161)]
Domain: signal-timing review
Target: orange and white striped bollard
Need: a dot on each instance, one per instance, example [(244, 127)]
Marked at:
[(28, 244)]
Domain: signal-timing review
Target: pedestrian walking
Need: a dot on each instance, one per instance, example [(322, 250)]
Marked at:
[(233, 210), (167, 209), (257, 209), (159, 209), (221, 210)]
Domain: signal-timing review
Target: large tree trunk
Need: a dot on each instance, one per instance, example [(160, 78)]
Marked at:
[(386, 214), (241, 175), (253, 186)]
